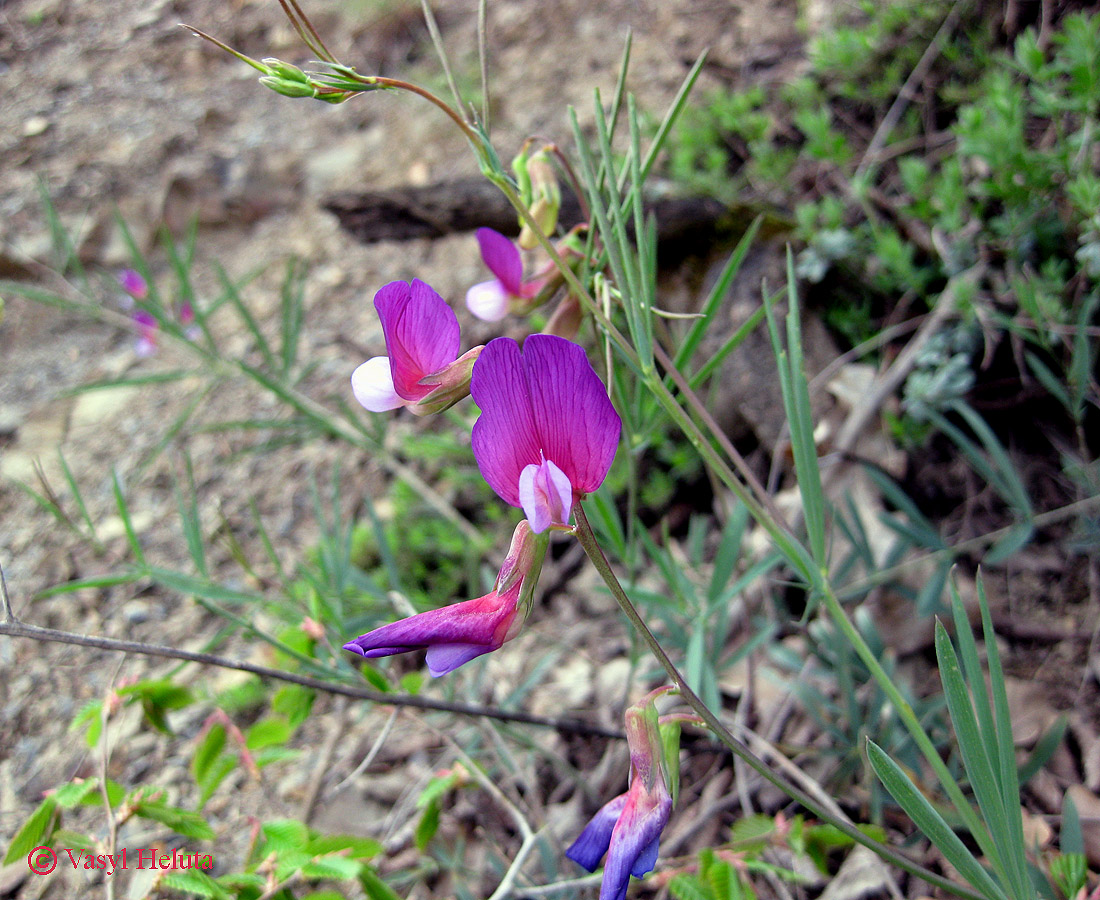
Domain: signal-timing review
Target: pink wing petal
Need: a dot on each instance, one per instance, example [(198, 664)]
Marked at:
[(422, 334), (503, 439), (503, 259), (576, 424)]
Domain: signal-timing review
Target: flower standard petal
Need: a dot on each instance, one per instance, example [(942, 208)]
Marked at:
[(504, 440), (502, 258), (576, 423), (544, 405), (422, 334)]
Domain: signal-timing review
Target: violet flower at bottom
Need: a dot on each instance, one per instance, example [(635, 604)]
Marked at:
[(628, 828), (463, 631), (452, 635)]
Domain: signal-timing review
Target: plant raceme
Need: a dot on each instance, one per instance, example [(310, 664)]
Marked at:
[(547, 436), (628, 828)]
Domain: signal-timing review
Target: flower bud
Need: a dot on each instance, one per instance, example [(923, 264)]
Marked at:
[(288, 87), (545, 198), (284, 71)]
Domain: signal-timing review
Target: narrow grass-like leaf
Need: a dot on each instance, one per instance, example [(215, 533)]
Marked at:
[(729, 551), (1009, 774), (177, 425), (234, 297), (95, 582), (1071, 839), (293, 298), (671, 115), (132, 381), (127, 522), (980, 768), (999, 470), (717, 294), (1044, 749), (931, 823), (189, 518), (1081, 361), (65, 255), (796, 402), (1053, 383)]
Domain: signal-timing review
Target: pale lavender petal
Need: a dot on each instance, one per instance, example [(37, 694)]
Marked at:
[(145, 346), (503, 259), (444, 658), (503, 439), (488, 301), (592, 843), (372, 384), (422, 334), (546, 495), (576, 424)]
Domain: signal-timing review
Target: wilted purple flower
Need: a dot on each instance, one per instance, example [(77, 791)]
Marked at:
[(628, 828), (490, 300), (462, 631), (547, 433), (422, 337), (133, 284), (146, 324)]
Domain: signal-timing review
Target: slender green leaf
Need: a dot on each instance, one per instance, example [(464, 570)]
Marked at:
[(931, 823), (127, 522), (195, 882), (34, 832), (716, 297)]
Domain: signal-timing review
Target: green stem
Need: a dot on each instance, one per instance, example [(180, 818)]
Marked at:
[(595, 553)]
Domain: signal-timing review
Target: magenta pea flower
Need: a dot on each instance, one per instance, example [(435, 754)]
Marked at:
[(491, 300), (458, 633), (423, 370), (146, 324), (628, 828), (547, 432), (133, 284)]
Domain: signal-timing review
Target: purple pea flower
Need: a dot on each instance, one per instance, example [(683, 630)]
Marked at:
[(146, 324), (133, 284), (491, 300), (547, 432), (423, 370), (628, 828), (462, 631)]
